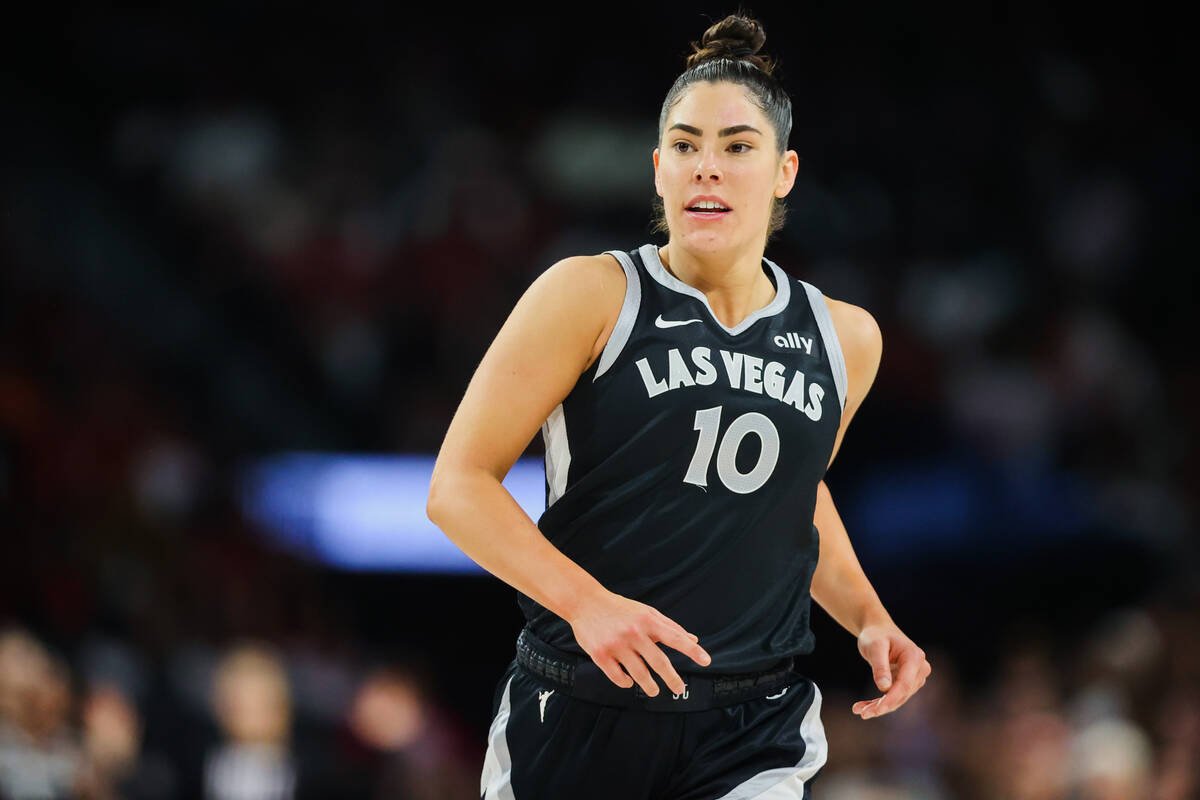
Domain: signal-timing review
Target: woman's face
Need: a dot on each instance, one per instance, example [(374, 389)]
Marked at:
[(718, 146)]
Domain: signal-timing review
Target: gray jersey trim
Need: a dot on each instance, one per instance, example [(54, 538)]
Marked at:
[(629, 311), (558, 453), (837, 361), (787, 783), (495, 782), (783, 289)]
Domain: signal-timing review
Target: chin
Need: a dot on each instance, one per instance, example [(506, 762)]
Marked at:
[(708, 241)]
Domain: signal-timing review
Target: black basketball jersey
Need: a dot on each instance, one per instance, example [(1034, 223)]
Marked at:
[(682, 468)]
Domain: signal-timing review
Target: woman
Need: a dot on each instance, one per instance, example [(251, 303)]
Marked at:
[(691, 398)]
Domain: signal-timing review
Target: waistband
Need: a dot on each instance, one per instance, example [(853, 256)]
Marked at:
[(582, 679)]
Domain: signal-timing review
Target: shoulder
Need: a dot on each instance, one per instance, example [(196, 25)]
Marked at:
[(862, 344), (580, 277), (586, 291), (856, 328)]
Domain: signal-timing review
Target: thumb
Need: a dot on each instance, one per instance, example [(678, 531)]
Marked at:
[(877, 657)]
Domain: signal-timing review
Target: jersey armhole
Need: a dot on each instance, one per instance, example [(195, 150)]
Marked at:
[(837, 361), (629, 311)]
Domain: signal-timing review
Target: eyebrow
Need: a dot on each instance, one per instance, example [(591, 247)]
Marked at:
[(730, 131)]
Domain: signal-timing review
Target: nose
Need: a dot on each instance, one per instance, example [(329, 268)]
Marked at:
[(707, 167)]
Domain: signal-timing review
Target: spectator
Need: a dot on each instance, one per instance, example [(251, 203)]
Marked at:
[(420, 752), (39, 753), (251, 701)]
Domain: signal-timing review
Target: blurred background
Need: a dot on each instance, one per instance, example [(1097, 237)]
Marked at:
[(251, 253)]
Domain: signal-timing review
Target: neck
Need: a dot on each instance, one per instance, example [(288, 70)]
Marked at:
[(734, 285)]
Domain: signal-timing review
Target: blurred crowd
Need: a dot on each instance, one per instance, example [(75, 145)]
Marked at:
[(248, 724), (284, 250), (1110, 713)]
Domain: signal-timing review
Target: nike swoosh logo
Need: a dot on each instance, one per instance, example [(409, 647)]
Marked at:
[(671, 323), (777, 696)]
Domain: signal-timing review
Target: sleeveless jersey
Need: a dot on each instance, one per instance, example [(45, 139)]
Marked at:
[(682, 467)]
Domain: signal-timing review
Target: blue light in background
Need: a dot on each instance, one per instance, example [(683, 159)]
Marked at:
[(367, 512), (962, 506), (363, 512)]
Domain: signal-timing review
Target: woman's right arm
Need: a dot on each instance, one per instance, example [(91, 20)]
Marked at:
[(551, 337)]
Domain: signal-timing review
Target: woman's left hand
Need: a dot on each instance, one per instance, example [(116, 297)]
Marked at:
[(897, 664)]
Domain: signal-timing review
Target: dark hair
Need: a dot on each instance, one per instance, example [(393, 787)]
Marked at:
[(728, 51)]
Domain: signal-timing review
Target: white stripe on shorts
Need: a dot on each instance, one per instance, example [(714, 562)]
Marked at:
[(496, 781), (787, 783)]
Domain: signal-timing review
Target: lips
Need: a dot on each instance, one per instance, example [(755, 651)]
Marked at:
[(706, 216), (707, 205)]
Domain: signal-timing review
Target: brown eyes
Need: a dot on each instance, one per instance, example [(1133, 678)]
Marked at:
[(737, 147)]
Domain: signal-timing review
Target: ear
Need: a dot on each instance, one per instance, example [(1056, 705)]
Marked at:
[(788, 168), (657, 183)]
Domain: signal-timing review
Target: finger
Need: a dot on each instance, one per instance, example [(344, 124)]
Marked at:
[(877, 705), (906, 683), (877, 656), (686, 644), (612, 669), (673, 625), (637, 669), (659, 662), (863, 705)]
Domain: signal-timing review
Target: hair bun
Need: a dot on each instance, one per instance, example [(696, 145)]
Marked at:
[(735, 37)]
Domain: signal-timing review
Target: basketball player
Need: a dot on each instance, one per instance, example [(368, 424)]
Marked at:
[(691, 398)]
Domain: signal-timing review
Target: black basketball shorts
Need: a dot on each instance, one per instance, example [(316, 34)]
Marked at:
[(546, 745)]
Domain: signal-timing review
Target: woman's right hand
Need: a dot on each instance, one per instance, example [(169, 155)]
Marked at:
[(619, 632)]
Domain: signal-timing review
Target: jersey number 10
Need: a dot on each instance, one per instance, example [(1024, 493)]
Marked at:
[(708, 422)]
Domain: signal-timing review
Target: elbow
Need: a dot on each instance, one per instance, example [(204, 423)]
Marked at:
[(452, 486), (436, 499), (445, 484), (434, 502)]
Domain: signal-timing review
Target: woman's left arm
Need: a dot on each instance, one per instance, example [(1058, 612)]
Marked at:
[(839, 584)]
